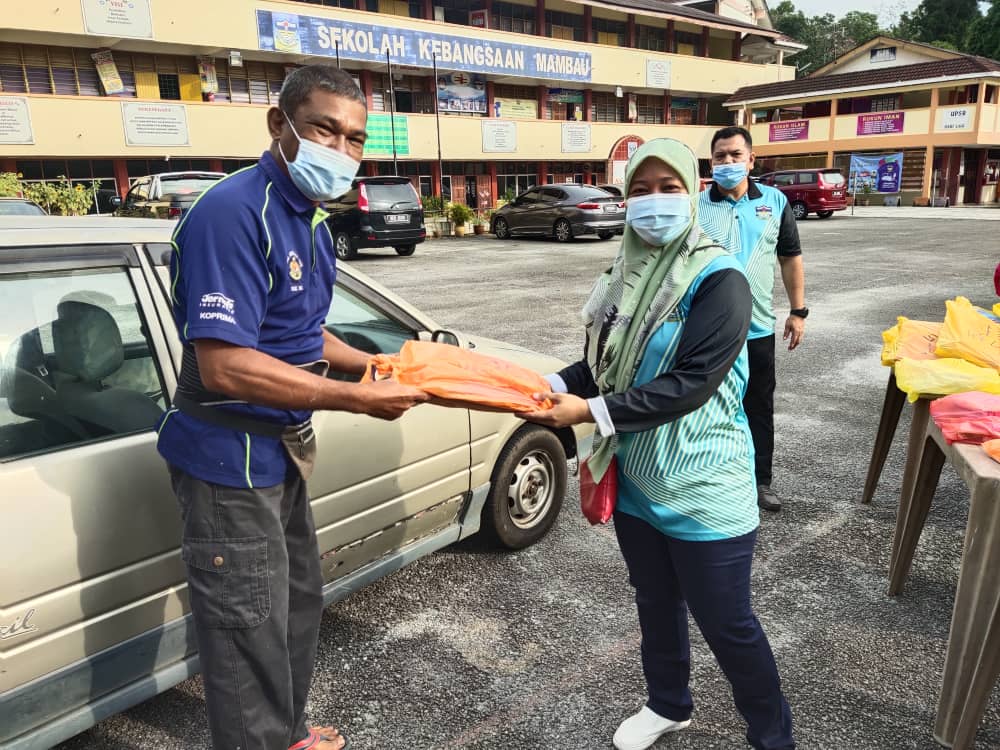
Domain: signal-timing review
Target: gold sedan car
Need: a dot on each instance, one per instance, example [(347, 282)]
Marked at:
[(93, 602)]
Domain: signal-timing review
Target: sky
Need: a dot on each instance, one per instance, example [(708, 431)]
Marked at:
[(888, 10)]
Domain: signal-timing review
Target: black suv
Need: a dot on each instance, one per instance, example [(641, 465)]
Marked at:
[(377, 212)]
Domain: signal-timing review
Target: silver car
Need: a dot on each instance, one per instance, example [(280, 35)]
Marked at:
[(94, 614), (561, 211)]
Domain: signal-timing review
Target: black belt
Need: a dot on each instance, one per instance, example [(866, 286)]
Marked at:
[(240, 422)]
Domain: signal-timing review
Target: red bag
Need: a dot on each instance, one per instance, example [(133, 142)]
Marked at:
[(597, 501), (971, 417)]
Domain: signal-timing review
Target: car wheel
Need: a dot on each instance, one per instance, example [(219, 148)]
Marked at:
[(501, 229), (527, 488), (343, 247), (605, 235), (405, 250), (562, 231), (824, 214), (799, 210)]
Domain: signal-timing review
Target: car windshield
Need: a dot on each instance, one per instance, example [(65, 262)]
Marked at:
[(382, 197), (832, 178), (185, 185), (20, 208)]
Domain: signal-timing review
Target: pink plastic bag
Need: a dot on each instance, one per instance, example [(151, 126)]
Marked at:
[(972, 417)]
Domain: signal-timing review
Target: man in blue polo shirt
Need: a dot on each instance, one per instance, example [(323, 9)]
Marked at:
[(756, 223), (252, 277)]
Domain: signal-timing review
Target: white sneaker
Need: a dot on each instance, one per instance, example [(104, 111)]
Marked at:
[(644, 728)]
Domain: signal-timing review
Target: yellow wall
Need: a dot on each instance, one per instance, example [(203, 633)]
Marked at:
[(72, 127), (199, 27), (988, 119)]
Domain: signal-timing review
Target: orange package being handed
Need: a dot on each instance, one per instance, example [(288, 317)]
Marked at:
[(455, 375)]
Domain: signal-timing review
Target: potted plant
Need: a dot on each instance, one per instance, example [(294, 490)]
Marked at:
[(482, 222), (459, 214), (865, 193)]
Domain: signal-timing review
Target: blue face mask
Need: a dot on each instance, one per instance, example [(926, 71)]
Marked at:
[(729, 176), (659, 218), (320, 173)]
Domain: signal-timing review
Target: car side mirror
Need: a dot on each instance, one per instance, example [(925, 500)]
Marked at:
[(445, 337), (115, 201)]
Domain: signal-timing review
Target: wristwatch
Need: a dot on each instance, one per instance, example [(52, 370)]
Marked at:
[(800, 312)]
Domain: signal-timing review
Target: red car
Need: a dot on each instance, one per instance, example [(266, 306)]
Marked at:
[(819, 191)]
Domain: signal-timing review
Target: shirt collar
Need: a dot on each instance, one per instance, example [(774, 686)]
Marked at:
[(292, 195), (752, 193)]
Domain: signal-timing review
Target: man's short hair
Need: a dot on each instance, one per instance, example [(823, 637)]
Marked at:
[(301, 82), (731, 132)]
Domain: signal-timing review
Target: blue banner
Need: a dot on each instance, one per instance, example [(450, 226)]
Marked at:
[(883, 172), (312, 35)]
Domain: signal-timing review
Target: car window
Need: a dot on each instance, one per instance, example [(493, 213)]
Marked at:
[(20, 208), (780, 180), (532, 196), (185, 185), (551, 195), (360, 323), (833, 178), (139, 191), (391, 197), (808, 178), (76, 362)]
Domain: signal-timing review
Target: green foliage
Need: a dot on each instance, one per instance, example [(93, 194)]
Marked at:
[(459, 213), (433, 204), (940, 21), (61, 198), (10, 185), (984, 33), (509, 194), (827, 36)]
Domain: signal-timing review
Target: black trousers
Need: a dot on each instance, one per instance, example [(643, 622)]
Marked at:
[(758, 403), (255, 586), (712, 579)]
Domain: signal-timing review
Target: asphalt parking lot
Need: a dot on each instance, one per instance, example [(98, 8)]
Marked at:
[(539, 649)]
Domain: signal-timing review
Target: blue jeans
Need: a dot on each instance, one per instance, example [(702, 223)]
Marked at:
[(713, 579)]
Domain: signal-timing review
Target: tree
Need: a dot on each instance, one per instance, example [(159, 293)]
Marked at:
[(984, 33), (826, 36), (937, 21)]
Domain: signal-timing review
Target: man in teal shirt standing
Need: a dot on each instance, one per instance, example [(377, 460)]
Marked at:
[(756, 224)]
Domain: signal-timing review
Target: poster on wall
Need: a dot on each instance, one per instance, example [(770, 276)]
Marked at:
[(461, 92), (380, 135), (576, 138), (207, 73), (954, 118), (883, 172), (657, 74), (499, 136), (107, 71), (119, 18), (526, 109), (149, 124), (15, 121), (880, 123), (789, 130)]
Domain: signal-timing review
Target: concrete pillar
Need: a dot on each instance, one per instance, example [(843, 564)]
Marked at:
[(541, 172), (121, 176), (543, 95), (215, 165), (667, 102), (8, 165), (737, 47), (588, 103), (492, 166), (366, 87), (539, 17), (427, 11), (671, 37), (436, 178), (928, 181), (490, 98), (588, 24), (631, 36), (704, 42)]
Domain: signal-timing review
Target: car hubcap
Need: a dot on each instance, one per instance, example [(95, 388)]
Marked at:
[(343, 246), (531, 488), (501, 228), (799, 211), (562, 231)]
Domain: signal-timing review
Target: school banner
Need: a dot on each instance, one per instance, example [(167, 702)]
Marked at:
[(884, 172), (107, 71), (461, 92)]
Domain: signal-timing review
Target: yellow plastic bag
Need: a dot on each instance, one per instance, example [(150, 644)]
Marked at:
[(910, 339), (968, 334), (940, 377), (996, 309)]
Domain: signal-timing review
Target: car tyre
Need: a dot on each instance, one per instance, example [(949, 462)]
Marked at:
[(405, 250), (562, 231), (527, 489), (343, 246), (824, 214), (605, 235), (799, 210), (501, 229)]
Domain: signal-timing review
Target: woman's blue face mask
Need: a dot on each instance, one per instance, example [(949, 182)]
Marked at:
[(320, 173), (659, 218)]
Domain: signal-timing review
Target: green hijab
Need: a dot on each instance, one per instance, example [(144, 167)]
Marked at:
[(641, 290)]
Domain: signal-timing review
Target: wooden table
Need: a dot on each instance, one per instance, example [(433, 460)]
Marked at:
[(972, 662)]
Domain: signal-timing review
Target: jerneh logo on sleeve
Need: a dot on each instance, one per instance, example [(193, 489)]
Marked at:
[(217, 306)]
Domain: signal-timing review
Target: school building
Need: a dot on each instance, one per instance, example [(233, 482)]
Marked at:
[(937, 107), (526, 91)]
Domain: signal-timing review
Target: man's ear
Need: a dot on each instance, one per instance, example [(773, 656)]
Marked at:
[(275, 122)]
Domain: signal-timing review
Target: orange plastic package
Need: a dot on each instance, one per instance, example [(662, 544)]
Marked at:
[(460, 377), (912, 339), (992, 448)]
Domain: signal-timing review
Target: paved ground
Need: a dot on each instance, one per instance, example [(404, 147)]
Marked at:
[(539, 650)]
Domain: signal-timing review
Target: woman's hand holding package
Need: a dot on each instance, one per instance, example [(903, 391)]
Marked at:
[(567, 410)]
